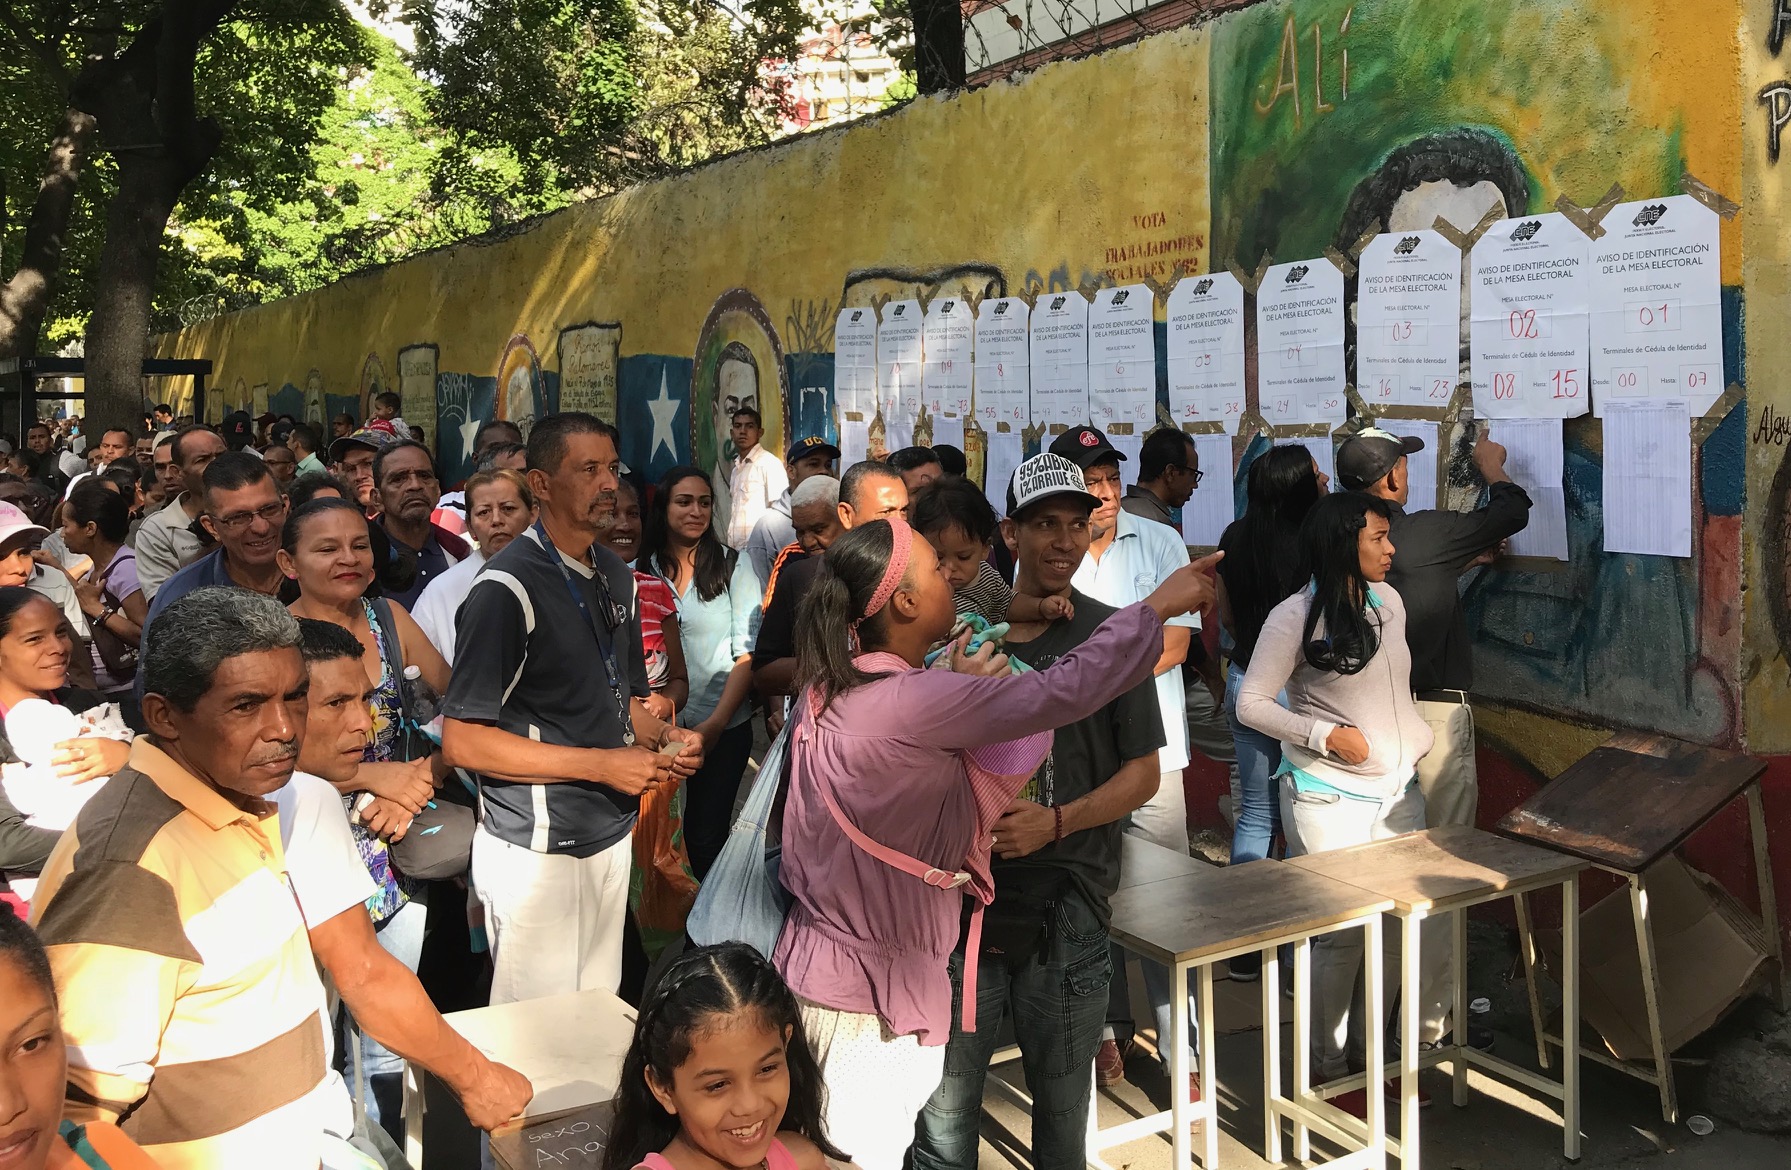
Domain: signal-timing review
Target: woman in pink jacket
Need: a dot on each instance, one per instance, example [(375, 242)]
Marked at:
[(897, 774)]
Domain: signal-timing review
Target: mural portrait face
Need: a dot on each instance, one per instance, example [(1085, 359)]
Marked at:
[(521, 395), (739, 362), (314, 398), (737, 385)]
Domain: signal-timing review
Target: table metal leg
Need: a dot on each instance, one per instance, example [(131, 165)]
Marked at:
[(1663, 1065), (1526, 943), (1375, 1027), (1209, 1074), (1570, 1017), (1459, 1016), (1769, 902), (1410, 1042), (413, 1114), (1178, 1067), (1302, 1047), (1271, 1054)]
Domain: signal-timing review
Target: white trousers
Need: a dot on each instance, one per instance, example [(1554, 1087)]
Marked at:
[(555, 922), (877, 1083), (1447, 775), (1316, 822)]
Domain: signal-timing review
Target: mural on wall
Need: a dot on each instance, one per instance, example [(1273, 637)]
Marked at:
[(588, 355), (654, 413), (1338, 114), (739, 363), (522, 393), (416, 385), (373, 381)]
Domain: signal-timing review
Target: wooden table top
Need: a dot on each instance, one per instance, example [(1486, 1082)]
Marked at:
[(1441, 868), (1214, 909), (1631, 802), (1141, 863)]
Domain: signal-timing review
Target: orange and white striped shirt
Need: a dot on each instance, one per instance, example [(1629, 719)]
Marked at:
[(191, 1002)]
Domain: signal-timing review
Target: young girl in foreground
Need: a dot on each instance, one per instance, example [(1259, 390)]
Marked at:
[(719, 1076)]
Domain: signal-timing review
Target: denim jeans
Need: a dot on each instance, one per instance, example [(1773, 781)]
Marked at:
[(1259, 812), (401, 936), (1057, 1000)]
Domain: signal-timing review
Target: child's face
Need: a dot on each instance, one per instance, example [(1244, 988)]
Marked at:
[(384, 410), (729, 1094), (961, 555)]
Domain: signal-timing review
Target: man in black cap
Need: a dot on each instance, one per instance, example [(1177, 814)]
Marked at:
[(1431, 551), (807, 456)]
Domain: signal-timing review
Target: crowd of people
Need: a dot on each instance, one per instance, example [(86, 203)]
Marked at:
[(278, 711)]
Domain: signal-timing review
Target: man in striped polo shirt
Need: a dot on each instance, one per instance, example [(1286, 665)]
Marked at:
[(192, 1006)]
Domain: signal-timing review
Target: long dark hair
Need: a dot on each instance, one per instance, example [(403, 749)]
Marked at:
[(1264, 560), (724, 980), (850, 574), (714, 560), (1332, 539)]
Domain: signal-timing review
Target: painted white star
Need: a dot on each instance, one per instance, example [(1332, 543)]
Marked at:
[(468, 432), (665, 416)]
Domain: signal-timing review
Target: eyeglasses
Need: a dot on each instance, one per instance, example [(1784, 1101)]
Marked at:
[(1197, 474), (240, 521)]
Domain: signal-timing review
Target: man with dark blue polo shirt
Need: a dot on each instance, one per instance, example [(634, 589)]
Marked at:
[(544, 711)]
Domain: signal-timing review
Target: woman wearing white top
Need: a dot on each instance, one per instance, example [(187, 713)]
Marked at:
[(1351, 735), (718, 620), (499, 507)]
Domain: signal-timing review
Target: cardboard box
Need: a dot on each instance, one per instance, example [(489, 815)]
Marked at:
[(1708, 952), (569, 1137)]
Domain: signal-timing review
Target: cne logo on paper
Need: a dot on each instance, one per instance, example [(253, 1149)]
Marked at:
[(1057, 303), (901, 307), (1204, 287), (857, 315), (1406, 246), (1298, 273), (1119, 298), (1525, 231), (1001, 307), (946, 308), (1650, 215)]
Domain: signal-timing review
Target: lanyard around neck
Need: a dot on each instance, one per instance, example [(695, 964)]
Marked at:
[(605, 644)]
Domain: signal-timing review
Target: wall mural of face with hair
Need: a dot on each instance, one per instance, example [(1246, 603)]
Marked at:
[(739, 362)]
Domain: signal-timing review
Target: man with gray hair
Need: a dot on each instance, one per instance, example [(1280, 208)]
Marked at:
[(189, 995)]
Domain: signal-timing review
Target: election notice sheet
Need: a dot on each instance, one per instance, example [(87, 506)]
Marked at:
[(946, 346), (1212, 506), (1206, 349), (855, 362), (1531, 281), (899, 361), (1006, 449), (1535, 459), (1420, 466), (1648, 476), (1003, 381), (1299, 343), (1060, 359), (1122, 357), (1657, 317), (1408, 320)]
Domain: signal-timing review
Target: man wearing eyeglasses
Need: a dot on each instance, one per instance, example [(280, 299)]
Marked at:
[(243, 512), (1168, 473)]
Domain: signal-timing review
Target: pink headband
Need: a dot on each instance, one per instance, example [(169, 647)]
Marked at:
[(897, 568)]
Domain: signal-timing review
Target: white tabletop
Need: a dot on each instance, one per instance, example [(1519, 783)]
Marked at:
[(569, 1046)]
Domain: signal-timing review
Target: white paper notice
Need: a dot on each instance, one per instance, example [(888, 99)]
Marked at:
[(1531, 281), (1003, 456), (855, 362), (946, 342), (898, 432), (1122, 356), (1060, 359), (1206, 349), (855, 443), (1657, 319), (1130, 446), (1299, 343), (948, 431), (899, 359), (1647, 476), (1212, 506), (1003, 361), (1535, 460), (1408, 320), (1420, 467), (1324, 453)]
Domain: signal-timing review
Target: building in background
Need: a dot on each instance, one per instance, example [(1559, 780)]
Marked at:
[(843, 71)]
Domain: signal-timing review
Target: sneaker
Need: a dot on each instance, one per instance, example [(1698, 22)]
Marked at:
[(1246, 968), (1110, 1064), (1355, 1102), (1391, 1091)]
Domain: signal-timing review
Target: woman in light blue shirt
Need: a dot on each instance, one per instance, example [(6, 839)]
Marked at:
[(718, 617)]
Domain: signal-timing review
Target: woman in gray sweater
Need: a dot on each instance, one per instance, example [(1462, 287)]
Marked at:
[(1351, 735)]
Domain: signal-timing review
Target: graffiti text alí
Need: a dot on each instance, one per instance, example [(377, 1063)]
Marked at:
[(1285, 82)]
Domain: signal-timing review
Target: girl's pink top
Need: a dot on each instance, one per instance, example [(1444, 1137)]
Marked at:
[(922, 761), (778, 1157)]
